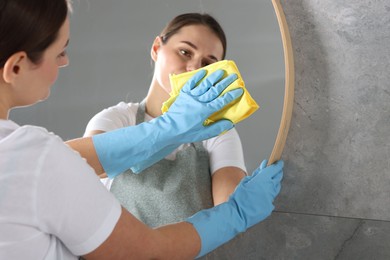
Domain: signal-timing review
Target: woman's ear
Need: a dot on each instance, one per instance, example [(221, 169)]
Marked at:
[(13, 66), (155, 47)]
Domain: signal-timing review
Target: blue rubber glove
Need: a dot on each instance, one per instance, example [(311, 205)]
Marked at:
[(123, 148), (164, 152), (182, 112), (251, 202)]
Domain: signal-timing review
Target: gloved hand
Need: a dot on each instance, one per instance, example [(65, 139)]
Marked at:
[(194, 105), (182, 115), (120, 149), (251, 202)]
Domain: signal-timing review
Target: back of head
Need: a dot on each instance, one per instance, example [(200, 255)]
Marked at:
[(30, 26), (194, 19)]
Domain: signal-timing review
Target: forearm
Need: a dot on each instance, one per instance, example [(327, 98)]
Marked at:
[(224, 182), (86, 149), (178, 241), (118, 150), (131, 239)]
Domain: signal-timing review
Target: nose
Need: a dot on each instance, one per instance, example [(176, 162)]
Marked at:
[(194, 64)]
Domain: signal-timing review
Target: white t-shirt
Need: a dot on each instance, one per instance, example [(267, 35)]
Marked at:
[(224, 150), (52, 205)]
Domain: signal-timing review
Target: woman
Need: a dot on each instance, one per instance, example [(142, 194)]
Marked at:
[(196, 175), (47, 190)]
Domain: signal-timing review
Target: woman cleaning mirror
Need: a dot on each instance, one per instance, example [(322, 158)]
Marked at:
[(112, 50), (114, 63)]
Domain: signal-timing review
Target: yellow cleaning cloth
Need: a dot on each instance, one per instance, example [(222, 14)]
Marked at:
[(236, 111)]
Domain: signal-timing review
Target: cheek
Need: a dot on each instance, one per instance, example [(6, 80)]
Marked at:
[(164, 67), (51, 73)]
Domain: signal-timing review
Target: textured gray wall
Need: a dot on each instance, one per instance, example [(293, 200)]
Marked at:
[(335, 198), (334, 202)]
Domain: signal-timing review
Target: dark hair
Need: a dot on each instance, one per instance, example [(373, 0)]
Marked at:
[(30, 26), (193, 19)]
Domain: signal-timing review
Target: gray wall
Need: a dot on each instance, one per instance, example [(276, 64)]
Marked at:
[(335, 198), (334, 202)]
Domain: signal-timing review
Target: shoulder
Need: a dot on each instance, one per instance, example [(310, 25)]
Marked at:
[(121, 108), (31, 137), (49, 149), (121, 115), (45, 149)]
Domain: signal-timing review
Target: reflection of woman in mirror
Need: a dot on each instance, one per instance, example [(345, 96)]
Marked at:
[(46, 188), (196, 175)]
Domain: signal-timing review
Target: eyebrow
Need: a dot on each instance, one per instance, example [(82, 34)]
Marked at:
[(196, 48)]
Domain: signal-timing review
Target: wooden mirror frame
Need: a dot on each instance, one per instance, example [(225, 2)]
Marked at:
[(289, 85)]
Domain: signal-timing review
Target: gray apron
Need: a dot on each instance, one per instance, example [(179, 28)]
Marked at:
[(169, 191)]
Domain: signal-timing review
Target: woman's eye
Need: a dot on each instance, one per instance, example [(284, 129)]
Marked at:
[(207, 62), (185, 53), (62, 54)]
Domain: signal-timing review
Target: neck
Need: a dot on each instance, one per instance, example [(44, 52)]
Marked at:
[(154, 100), (3, 112), (4, 106)]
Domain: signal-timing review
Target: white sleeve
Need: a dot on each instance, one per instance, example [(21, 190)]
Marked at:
[(71, 202), (114, 117), (225, 150)]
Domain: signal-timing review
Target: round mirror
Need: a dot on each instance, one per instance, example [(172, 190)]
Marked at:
[(110, 62)]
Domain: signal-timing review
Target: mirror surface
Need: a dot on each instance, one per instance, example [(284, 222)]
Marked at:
[(110, 62)]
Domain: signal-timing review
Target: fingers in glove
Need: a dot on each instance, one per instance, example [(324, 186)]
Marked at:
[(278, 176), (274, 169), (220, 102), (263, 164), (216, 91), (277, 182), (277, 189), (193, 81), (207, 83)]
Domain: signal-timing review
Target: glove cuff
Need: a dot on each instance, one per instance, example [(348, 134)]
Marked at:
[(120, 149), (217, 225)]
